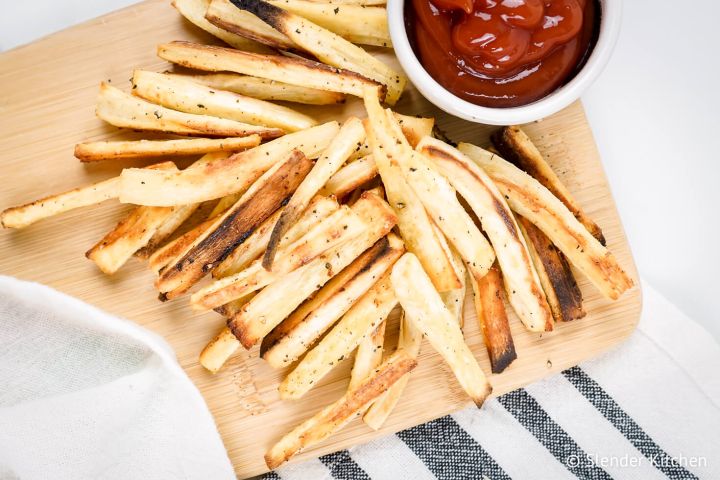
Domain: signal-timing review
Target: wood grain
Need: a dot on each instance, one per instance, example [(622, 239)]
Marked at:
[(47, 106)]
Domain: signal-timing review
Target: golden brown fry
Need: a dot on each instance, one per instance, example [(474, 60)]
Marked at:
[(350, 177), (24, 215), (368, 356), (295, 71), (123, 110), (265, 89), (414, 223), (490, 308), (166, 254), (320, 207), (194, 11), (409, 340), (515, 146), (454, 300), (441, 202), (423, 305), (131, 234), (359, 322), (328, 291), (223, 14), (414, 128), (298, 333), (327, 46), (173, 221), (532, 200), (212, 246), (498, 222), (355, 23), (183, 95), (98, 151), (331, 232), (276, 301), (340, 148), (223, 177), (556, 277), (336, 415)]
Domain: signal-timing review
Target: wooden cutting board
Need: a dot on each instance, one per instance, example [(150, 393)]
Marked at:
[(47, 105)]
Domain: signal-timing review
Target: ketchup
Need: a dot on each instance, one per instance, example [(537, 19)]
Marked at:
[(502, 53)]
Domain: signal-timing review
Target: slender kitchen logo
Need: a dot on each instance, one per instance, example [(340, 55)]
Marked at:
[(634, 461)]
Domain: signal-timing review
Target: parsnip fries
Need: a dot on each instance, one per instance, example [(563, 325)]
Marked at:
[(286, 228), (425, 308)]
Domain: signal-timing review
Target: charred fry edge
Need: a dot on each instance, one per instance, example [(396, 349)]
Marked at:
[(516, 147)]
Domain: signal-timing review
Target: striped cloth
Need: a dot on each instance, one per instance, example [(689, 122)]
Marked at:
[(648, 409)]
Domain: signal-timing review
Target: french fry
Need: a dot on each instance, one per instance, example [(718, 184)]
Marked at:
[(359, 322), (328, 291), (224, 344), (332, 231), (532, 200), (340, 148), (29, 213), (335, 416), (276, 301), (223, 14), (123, 110), (191, 97), (232, 227), (131, 234), (454, 300), (298, 333), (221, 178), (173, 221), (368, 356), (295, 71), (414, 128), (350, 177), (490, 308), (24, 215), (264, 89), (216, 353), (440, 200), (327, 46), (318, 209), (516, 147), (556, 277), (425, 308), (414, 223), (476, 187), (100, 151), (220, 348), (355, 23), (409, 341), (194, 11), (164, 255)]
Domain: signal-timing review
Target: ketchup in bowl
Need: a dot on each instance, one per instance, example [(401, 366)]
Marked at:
[(502, 53)]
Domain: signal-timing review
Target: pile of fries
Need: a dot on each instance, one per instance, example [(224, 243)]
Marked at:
[(317, 232)]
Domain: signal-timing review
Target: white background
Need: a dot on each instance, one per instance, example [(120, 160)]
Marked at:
[(654, 113)]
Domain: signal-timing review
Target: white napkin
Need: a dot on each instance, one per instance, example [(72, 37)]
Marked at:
[(648, 409), (84, 395)]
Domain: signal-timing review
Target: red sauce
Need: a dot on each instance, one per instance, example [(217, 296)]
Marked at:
[(502, 53)]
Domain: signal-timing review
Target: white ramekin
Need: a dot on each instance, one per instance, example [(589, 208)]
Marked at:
[(609, 29)]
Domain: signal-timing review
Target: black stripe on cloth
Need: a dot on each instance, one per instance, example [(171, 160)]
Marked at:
[(342, 467), (610, 409), (450, 452), (271, 476), (531, 415)]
